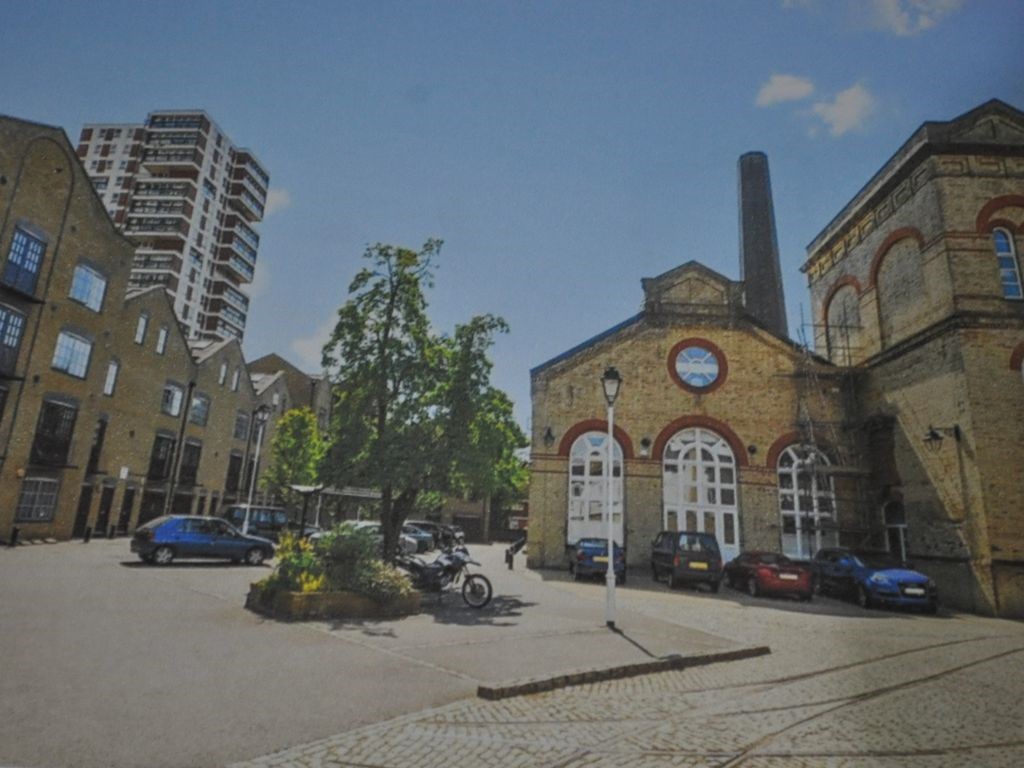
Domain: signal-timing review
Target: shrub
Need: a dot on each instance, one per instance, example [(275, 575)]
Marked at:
[(345, 559)]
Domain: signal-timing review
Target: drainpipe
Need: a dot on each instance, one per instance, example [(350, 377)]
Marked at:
[(186, 407)]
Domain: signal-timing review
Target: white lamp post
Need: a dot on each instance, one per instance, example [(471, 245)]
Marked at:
[(611, 381), (261, 415)]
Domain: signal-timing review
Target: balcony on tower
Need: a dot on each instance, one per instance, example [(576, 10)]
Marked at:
[(249, 185), (173, 161)]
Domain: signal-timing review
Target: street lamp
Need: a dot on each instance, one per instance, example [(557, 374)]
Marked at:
[(305, 491), (934, 436), (611, 381), (261, 415)]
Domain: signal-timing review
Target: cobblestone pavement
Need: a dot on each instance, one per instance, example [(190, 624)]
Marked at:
[(842, 688)]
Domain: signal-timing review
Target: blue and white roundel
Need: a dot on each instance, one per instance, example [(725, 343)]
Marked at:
[(697, 366)]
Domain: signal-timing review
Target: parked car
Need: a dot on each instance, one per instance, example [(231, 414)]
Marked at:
[(588, 557), (165, 539), (769, 573), (873, 578), (407, 544), (430, 527), (266, 522), (686, 557), (424, 539)]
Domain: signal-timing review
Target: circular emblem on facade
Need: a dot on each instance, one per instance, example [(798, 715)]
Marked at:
[(697, 365)]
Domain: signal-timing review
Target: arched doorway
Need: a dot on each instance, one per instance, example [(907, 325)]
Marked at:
[(699, 487), (586, 512), (807, 502)]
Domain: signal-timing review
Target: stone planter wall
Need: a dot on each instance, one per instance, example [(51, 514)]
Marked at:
[(300, 606)]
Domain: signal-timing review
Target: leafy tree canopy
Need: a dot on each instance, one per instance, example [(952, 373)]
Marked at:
[(297, 452), (414, 414)]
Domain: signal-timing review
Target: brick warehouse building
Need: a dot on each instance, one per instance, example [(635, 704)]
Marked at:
[(904, 430), (109, 415)]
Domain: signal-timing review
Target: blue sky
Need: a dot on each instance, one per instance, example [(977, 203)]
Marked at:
[(562, 150)]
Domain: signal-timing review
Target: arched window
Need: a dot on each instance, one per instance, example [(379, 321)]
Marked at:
[(587, 488), (1009, 267), (807, 501), (699, 487)]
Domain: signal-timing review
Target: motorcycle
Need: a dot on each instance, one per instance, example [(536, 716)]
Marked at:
[(446, 572)]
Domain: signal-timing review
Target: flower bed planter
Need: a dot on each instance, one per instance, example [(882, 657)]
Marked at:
[(300, 606)]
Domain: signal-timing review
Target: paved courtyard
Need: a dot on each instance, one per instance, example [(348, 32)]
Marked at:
[(109, 663)]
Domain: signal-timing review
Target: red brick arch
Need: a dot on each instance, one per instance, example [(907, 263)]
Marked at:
[(707, 422), (1017, 358), (595, 425), (842, 282), (984, 221), (784, 441), (894, 237)]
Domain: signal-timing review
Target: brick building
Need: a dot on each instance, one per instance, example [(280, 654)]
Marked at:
[(905, 431), (109, 414)]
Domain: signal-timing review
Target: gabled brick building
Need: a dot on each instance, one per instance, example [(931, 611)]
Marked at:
[(905, 431), (109, 414)]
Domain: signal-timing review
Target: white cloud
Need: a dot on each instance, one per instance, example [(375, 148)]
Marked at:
[(780, 88), (911, 17), (848, 111), (309, 349), (277, 200)]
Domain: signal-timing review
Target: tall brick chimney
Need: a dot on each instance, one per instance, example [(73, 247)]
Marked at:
[(760, 271)]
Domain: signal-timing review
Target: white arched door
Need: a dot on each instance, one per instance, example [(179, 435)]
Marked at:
[(587, 518), (699, 487)]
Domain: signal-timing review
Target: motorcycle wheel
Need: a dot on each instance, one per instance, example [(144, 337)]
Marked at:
[(476, 591)]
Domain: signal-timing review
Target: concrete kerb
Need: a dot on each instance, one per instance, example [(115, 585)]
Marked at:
[(668, 663)]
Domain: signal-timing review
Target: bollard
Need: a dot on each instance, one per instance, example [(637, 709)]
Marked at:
[(14, 537), (509, 558), (111, 531), (88, 535)]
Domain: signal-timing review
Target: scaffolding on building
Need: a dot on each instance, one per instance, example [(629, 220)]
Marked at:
[(833, 501)]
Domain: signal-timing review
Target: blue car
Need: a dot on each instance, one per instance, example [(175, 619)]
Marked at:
[(873, 578), (164, 539), (589, 557)]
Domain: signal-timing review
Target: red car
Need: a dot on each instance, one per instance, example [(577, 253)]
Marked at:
[(769, 573)]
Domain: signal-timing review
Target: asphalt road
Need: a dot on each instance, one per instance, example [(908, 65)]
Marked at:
[(110, 663)]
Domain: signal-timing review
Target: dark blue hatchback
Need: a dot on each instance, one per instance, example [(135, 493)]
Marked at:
[(589, 557), (873, 578), (164, 539)]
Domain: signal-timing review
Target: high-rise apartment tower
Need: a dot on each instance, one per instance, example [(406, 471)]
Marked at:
[(759, 246), (189, 200)]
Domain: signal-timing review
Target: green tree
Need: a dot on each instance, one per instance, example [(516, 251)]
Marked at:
[(414, 413), (296, 453)]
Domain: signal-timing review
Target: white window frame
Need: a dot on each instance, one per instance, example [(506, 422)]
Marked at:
[(807, 497), (700, 487), (586, 514), (88, 287), (223, 375), (37, 500), (110, 382), (234, 379), (161, 340), (172, 405), (71, 354), (140, 328)]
